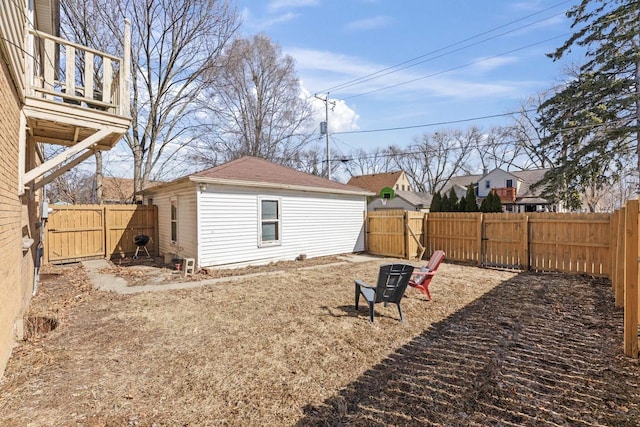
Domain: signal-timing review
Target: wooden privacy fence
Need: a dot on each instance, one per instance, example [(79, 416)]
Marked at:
[(78, 232), (604, 245), (625, 255), (569, 243)]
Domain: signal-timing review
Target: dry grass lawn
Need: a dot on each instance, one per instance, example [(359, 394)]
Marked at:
[(492, 348)]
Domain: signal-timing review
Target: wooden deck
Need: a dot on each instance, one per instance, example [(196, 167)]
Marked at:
[(76, 97)]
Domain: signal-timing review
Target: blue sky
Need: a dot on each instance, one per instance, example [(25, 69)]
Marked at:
[(336, 41)]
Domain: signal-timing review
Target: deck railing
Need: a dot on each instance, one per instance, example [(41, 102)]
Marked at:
[(63, 71), (506, 194)]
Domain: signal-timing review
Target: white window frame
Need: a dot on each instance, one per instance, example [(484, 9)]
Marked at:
[(487, 184), (173, 201), (277, 221)]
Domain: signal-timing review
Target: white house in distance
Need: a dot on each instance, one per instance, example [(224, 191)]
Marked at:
[(250, 212), (514, 189)]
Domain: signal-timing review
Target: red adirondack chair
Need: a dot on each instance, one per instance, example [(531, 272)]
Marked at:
[(421, 278)]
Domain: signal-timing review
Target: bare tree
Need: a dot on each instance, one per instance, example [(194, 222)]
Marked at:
[(73, 187), (434, 159), (370, 162), (256, 98), (495, 148), (174, 43), (527, 134)]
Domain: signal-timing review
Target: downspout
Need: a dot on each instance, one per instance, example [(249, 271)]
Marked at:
[(44, 215)]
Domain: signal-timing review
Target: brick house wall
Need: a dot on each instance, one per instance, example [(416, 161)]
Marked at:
[(17, 219)]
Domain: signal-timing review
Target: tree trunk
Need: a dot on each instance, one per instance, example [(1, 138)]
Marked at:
[(98, 195), (137, 169)]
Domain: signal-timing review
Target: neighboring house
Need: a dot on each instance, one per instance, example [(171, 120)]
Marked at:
[(120, 190), (37, 105), (514, 189), (407, 200), (397, 180), (251, 211)]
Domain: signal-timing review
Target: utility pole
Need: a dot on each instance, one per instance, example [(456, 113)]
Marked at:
[(326, 129)]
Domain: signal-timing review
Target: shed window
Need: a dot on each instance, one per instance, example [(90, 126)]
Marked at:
[(174, 220), (509, 183), (270, 216)]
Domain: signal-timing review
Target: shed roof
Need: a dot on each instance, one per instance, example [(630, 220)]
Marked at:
[(377, 181), (256, 172), (415, 198)]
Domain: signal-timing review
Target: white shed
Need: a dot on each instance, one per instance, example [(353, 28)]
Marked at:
[(250, 211)]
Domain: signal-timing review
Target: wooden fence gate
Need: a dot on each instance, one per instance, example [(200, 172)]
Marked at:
[(78, 232), (504, 241), (396, 233)]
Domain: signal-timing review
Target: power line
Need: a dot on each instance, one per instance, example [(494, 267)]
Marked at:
[(456, 67), (450, 122), (392, 70), (490, 144), (356, 80)]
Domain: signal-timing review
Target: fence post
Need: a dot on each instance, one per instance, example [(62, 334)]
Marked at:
[(405, 216), (366, 230), (525, 243), (613, 249), (621, 274), (425, 229), (479, 239), (631, 281), (105, 230)]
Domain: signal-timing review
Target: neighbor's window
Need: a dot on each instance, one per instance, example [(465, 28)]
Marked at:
[(269, 221), (487, 184), (509, 183), (174, 220)]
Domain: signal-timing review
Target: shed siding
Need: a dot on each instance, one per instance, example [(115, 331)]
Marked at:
[(187, 244), (313, 224)]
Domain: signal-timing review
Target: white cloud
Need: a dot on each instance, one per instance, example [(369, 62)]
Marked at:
[(259, 25), (489, 64), (282, 4), (530, 5), (368, 24), (322, 70), (341, 117)]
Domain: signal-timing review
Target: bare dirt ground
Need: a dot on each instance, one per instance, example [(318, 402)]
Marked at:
[(492, 348), (153, 271)]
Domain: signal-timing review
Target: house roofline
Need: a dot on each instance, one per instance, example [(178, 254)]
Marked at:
[(256, 184)]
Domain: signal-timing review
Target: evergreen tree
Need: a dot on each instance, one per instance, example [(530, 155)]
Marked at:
[(590, 123), (452, 201), (484, 206), (445, 206), (496, 204), (436, 203), (471, 202), (491, 203), (462, 204)]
